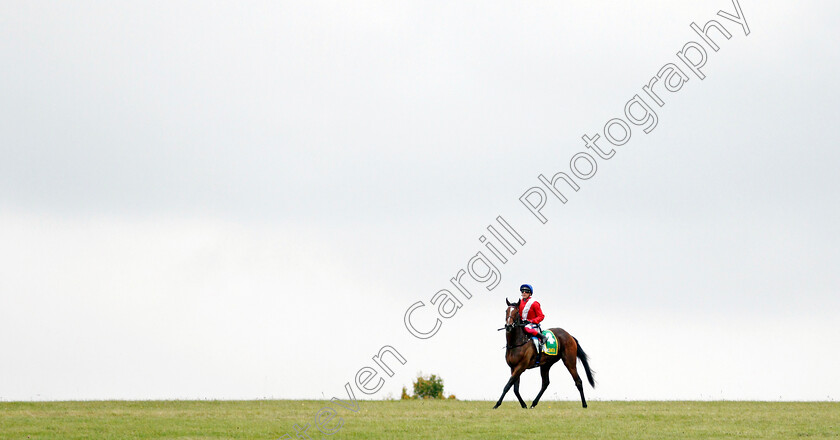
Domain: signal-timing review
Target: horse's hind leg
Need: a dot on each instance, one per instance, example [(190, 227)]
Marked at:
[(516, 391), (571, 365)]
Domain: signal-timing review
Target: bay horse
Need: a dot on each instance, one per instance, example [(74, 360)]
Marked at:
[(522, 355)]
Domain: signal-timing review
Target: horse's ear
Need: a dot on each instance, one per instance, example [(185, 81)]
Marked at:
[(508, 302)]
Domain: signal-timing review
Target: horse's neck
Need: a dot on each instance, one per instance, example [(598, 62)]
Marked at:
[(516, 336)]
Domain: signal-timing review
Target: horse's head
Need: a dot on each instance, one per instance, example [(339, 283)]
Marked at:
[(512, 317)]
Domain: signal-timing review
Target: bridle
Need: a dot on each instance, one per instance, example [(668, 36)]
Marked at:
[(509, 327), (517, 323)]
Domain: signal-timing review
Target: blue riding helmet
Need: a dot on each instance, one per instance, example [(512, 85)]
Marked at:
[(528, 287)]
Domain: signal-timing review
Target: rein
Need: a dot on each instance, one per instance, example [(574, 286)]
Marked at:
[(519, 324), (514, 325), (519, 345)]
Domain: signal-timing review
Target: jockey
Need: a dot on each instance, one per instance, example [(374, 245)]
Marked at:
[(531, 312)]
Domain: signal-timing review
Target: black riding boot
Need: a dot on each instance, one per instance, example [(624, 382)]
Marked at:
[(542, 339), (539, 350)]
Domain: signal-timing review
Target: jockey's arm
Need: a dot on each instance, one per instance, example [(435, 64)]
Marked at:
[(538, 312)]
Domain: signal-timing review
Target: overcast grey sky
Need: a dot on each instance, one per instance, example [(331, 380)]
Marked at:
[(241, 200)]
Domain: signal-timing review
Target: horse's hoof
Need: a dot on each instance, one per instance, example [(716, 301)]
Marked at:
[(495, 406), (584, 405)]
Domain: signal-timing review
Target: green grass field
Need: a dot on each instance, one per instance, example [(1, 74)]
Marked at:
[(267, 420)]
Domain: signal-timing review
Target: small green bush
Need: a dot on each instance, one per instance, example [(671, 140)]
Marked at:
[(428, 387)]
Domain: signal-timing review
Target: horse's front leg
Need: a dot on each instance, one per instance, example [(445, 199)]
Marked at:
[(507, 387), (516, 391), (514, 378), (544, 373)]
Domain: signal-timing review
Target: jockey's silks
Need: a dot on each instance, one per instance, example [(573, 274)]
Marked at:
[(530, 310)]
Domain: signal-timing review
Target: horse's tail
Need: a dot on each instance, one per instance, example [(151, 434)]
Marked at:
[(585, 361)]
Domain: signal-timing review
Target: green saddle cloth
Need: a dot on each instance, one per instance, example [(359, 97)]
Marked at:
[(550, 343)]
